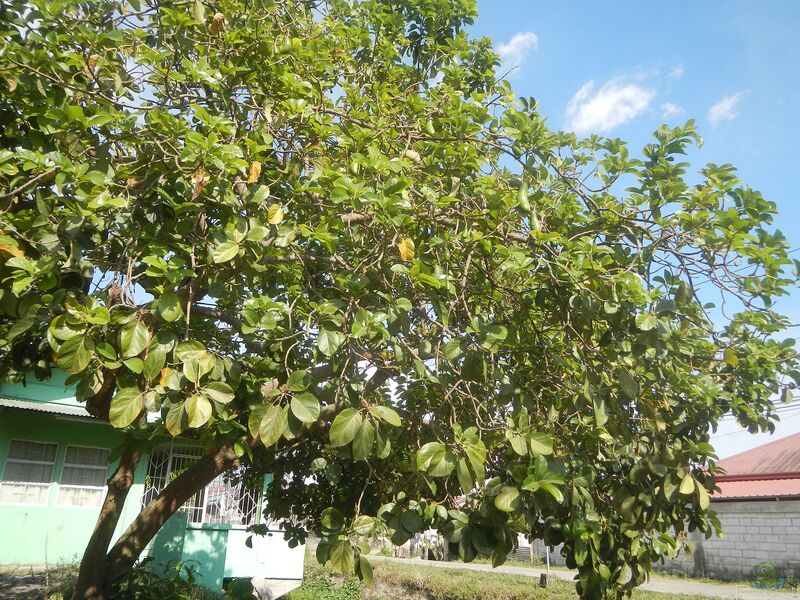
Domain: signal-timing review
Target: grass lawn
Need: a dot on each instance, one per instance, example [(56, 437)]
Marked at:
[(414, 581)]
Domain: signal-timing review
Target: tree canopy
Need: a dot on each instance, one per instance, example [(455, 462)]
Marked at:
[(328, 237)]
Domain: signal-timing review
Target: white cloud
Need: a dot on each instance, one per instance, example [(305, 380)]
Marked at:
[(599, 111), (514, 51), (724, 109), (670, 109), (677, 71)]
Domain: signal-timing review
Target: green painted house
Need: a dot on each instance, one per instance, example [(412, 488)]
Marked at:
[(53, 468)]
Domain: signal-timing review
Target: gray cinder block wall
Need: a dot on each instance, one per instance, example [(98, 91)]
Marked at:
[(754, 532)]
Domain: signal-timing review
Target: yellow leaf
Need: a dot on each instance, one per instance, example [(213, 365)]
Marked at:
[(702, 495), (216, 22), (687, 484), (165, 373), (10, 82), (730, 358), (255, 172), (199, 11), (406, 248), (413, 155), (274, 214), (12, 250)]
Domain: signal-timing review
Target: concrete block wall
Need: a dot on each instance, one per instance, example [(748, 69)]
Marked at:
[(754, 532)]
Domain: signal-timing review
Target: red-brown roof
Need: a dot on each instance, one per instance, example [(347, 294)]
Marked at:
[(769, 470), (772, 488)]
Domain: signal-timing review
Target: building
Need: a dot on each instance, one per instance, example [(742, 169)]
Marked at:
[(758, 506), (54, 462)]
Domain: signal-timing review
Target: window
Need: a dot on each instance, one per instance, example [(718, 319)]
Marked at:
[(28, 472), (227, 499), (83, 477)]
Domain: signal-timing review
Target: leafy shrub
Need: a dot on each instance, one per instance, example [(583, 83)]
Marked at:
[(178, 581), (322, 584)]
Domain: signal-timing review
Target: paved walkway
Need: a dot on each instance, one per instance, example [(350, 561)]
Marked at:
[(656, 584)]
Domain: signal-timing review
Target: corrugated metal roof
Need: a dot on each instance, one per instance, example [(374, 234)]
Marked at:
[(781, 457), (771, 470), (48, 407), (772, 488)]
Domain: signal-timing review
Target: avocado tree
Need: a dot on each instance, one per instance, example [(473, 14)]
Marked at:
[(325, 240)]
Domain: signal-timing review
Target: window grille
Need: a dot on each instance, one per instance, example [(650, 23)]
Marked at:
[(28, 472), (227, 499), (83, 476)]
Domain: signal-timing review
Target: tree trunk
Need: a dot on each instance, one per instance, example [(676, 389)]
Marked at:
[(93, 582), (144, 528), (100, 566)]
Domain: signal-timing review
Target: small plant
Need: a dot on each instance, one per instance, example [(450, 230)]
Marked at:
[(178, 581)]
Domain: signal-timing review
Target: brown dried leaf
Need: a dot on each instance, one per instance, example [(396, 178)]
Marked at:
[(200, 179)]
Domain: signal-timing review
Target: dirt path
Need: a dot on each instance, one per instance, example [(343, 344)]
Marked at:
[(656, 584)]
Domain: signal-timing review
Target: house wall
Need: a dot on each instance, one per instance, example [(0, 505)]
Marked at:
[(754, 532), (50, 534)]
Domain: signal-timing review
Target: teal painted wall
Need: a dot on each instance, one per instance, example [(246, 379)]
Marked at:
[(50, 534)]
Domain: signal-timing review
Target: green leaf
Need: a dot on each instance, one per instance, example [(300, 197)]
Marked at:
[(426, 453), (305, 407), (628, 385), (177, 421), (386, 414), (363, 525), (135, 364), (155, 361), (75, 354), (198, 409), (670, 486), (332, 521), (126, 405), (133, 338), (464, 476), (540, 443), (328, 341), (225, 251), (219, 391), (364, 441), (169, 307), (365, 570), (197, 366), (508, 500), (552, 490), (345, 427), (646, 321), (600, 413), (625, 575), (298, 381), (188, 350), (341, 556), (520, 445), (452, 349), (272, 425)]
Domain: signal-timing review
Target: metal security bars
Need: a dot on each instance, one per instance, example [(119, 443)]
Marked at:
[(228, 499)]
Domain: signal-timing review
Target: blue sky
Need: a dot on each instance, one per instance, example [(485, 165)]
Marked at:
[(622, 68)]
